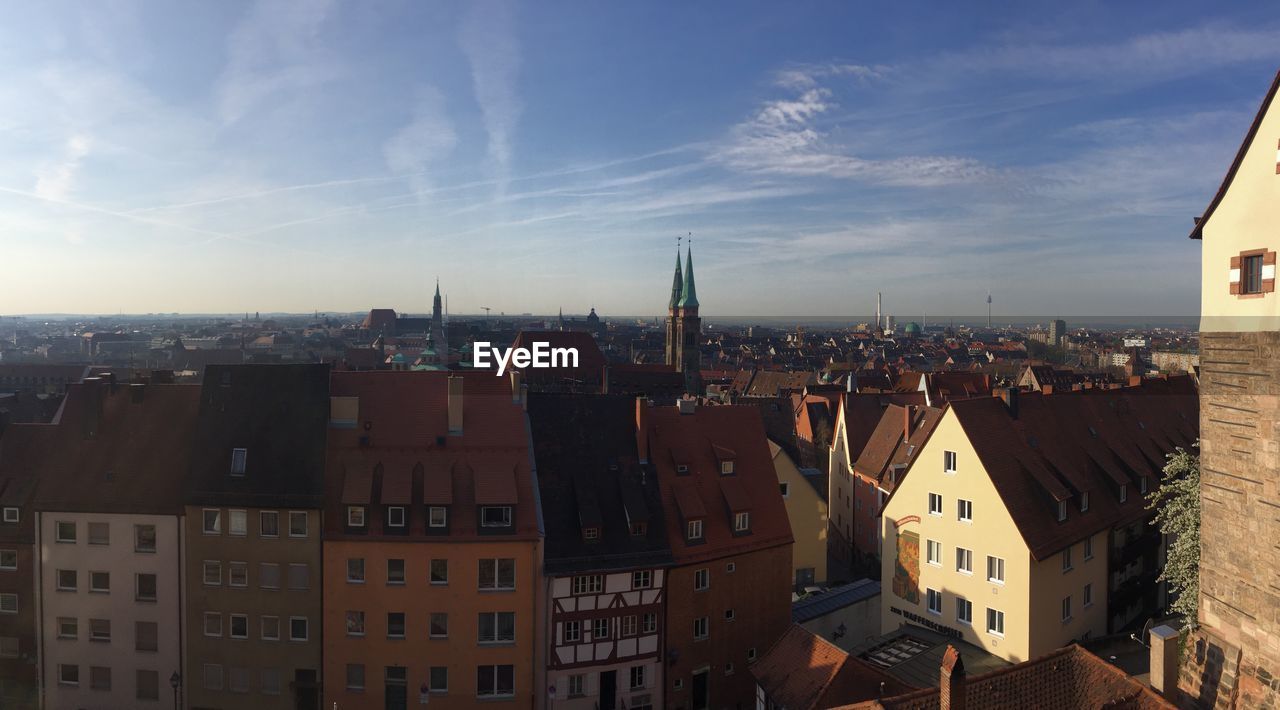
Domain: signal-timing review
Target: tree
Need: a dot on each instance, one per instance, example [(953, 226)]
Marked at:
[(1177, 504)]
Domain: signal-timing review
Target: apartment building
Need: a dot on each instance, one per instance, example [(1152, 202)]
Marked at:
[(21, 446), (729, 594), (109, 540), (1008, 530), (432, 544), (607, 554), (803, 493), (253, 496), (882, 464), (1240, 425)]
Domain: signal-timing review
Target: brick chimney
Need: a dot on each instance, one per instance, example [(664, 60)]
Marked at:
[(642, 428), (906, 422), (455, 405), (951, 687), (1010, 397)]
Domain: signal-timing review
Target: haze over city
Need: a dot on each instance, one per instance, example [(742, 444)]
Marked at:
[(224, 157)]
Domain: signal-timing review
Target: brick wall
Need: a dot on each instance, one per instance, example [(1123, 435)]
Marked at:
[(1233, 660)]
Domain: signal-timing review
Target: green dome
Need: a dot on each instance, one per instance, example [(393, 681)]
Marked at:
[(912, 328)]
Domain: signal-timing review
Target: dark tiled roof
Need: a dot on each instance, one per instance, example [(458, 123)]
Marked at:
[(834, 599), (802, 671), (885, 447), (279, 415)]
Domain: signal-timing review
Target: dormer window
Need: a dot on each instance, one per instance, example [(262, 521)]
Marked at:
[(591, 534), (395, 516), (11, 515), (1062, 510), (742, 522), (355, 516), (238, 457), (1142, 485), (726, 468), (1084, 500), (1124, 492), (682, 468), (438, 516), (495, 516), (693, 530), (639, 529)]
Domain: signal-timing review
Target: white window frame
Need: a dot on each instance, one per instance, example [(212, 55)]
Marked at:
[(9, 567), (1066, 609), (933, 552), (57, 532), (571, 632), (932, 596), (306, 524), (355, 516), (304, 620), (392, 510), (693, 530), (1062, 511), (231, 626), (995, 564), (507, 516), (726, 468), (704, 623), (1088, 549), (204, 574), (57, 580), (642, 579), (964, 510), (995, 622), (217, 521), (1067, 564), (949, 462), (1086, 596), (742, 521), (12, 515), (1084, 501), (99, 590), (239, 460), (231, 574), (443, 521), (701, 579), (1124, 492), (62, 675), (935, 511), (964, 611), (964, 560), (263, 515)]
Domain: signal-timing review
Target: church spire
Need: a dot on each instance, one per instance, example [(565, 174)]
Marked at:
[(676, 284), (688, 293)]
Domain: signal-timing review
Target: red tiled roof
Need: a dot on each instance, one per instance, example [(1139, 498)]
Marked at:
[(495, 485), (734, 496), (885, 446), (437, 485), (357, 486), (803, 671), (688, 502), (397, 486)]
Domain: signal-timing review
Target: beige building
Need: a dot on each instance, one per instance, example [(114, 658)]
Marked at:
[(1002, 534), (807, 511)]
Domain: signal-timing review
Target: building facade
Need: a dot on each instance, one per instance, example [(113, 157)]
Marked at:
[(807, 512), (21, 446)]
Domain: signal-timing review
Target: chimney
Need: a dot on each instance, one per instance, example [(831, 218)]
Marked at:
[(1010, 397), (642, 429), (906, 422), (686, 405), (455, 405), (515, 386), (137, 391), (1164, 660), (951, 688), (1046, 389)]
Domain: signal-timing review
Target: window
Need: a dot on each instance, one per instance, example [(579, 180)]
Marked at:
[(355, 676), (239, 626), (995, 569), (1062, 510), (1124, 493), (935, 504), (726, 468), (395, 516), (8, 603), (495, 681), (438, 516), (395, 571), (964, 510), (1084, 501), (395, 624), (995, 622), (1066, 608), (1086, 597), (1142, 485), (751, 654), (949, 461), (99, 534), (438, 679), (8, 560), (498, 573), (591, 534), (495, 516), (270, 678), (439, 627), (238, 574), (439, 571), (1251, 274), (212, 623), (742, 522), (701, 579), (99, 678), (146, 636), (238, 522), (212, 521), (144, 538), (268, 523), (682, 468), (212, 573), (65, 531), (1066, 559), (629, 625), (642, 579), (355, 623), (355, 516), (144, 587), (572, 631), (299, 628), (1088, 548), (11, 515), (68, 674), (67, 580), (729, 615), (100, 630), (269, 628), (68, 627), (701, 628), (649, 623), (588, 584), (785, 489), (355, 570), (100, 582), (299, 523), (964, 560), (933, 552), (299, 577), (147, 685), (637, 677), (576, 685), (238, 457), (212, 676), (731, 567), (964, 610), (599, 629), (934, 600), (693, 531), (269, 575)]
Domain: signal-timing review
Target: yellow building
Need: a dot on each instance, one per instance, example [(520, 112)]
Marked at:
[(1006, 532), (807, 511)]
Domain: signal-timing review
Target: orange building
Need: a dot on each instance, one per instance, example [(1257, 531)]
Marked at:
[(432, 548)]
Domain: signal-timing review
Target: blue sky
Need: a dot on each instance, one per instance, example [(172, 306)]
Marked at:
[(226, 156)]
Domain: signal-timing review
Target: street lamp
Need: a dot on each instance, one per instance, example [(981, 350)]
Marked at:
[(175, 681)]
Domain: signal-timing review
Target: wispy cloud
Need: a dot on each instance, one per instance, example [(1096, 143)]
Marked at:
[(488, 38), (54, 181), (428, 137), (807, 76)]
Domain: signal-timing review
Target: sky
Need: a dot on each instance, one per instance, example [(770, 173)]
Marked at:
[(223, 157)]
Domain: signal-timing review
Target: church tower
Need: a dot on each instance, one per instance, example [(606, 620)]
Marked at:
[(437, 325), (684, 327)]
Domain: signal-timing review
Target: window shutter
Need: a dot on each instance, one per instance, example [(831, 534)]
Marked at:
[(1269, 259)]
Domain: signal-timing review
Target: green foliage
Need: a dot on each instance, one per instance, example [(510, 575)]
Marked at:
[(1177, 504)]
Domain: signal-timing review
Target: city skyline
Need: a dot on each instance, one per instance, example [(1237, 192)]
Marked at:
[(231, 157)]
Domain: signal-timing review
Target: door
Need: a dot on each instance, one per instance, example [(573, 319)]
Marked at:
[(608, 690), (396, 688), (701, 691), (306, 690)]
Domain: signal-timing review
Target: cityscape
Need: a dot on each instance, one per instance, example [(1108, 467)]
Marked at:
[(733, 454)]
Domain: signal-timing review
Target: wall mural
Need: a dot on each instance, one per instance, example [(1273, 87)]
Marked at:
[(906, 569)]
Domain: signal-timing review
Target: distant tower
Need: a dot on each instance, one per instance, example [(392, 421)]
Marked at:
[(684, 327), (879, 323), (988, 310), (437, 324)]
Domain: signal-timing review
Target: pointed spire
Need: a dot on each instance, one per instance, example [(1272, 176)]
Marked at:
[(688, 293), (437, 287), (677, 283)]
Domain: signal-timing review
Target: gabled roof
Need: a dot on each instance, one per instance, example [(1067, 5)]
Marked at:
[(1197, 232), (886, 446), (803, 671)]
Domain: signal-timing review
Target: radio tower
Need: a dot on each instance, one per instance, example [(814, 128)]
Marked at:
[(878, 323), (988, 310)]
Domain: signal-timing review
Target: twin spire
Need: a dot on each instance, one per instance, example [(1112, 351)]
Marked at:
[(684, 293)]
